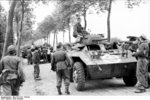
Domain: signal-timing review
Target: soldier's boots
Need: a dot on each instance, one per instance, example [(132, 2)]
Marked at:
[(140, 91), (38, 78), (67, 90), (59, 90)]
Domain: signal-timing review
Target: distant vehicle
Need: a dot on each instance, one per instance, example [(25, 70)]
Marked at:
[(93, 61)]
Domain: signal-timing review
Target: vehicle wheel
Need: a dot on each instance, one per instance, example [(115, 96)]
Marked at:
[(149, 78), (79, 76), (130, 80)]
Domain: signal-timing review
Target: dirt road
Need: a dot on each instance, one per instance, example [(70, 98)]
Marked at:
[(47, 85)]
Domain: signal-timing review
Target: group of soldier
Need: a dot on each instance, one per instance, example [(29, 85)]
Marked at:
[(44, 54), (34, 56), (12, 75)]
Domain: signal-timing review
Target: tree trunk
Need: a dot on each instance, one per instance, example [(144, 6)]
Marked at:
[(85, 21), (63, 36), (54, 40), (69, 35), (9, 29), (20, 31), (47, 39), (50, 38), (69, 30), (17, 23), (108, 20)]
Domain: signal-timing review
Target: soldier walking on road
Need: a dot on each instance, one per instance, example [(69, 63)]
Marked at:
[(29, 56), (45, 54), (11, 73), (142, 65), (36, 61), (61, 63)]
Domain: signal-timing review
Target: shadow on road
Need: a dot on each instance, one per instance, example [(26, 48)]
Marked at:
[(104, 84)]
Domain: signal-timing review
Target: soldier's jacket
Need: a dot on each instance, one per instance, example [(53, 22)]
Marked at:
[(149, 51), (143, 50), (29, 54), (36, 57), (60, 60), (44, 51), (11, 68), (77, 30)]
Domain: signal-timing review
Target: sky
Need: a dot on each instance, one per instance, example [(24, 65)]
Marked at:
[(41, 11), (124, 21)]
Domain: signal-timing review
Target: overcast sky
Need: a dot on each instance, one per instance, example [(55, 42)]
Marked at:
[(124, 21)]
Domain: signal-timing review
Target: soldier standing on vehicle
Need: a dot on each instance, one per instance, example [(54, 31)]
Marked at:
[(142, 65), (79, 31), (36, 61), (61, 63), (11, 73)]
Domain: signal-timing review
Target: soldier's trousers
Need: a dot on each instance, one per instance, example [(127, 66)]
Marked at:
[(9, 89), (29, 60), (142, 73), (63, 74), (45, 58), (36, 70)]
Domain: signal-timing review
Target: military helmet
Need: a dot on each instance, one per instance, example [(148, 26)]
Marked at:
[(11, 49), (59, 45), (36, 48), (143, 37)]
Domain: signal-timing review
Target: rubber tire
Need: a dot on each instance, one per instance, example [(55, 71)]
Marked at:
[(80, 84), (149, 73), (130, 80), (149, 79)]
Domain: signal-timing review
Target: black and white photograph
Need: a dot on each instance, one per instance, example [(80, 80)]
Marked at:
[(66, 48)]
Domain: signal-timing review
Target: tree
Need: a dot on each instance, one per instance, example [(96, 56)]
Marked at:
[(20, 30), (23, 23), (106, 5), (132, 3), (2, 27), (9, 27), (9, 31), (108, 20), (46, 27)]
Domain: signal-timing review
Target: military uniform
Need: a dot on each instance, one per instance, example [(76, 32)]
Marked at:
[(79, 32), (29, 56), (36, 61), (60, 63), (45, 55), (12, 75), (149, 65), (142, 66)]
